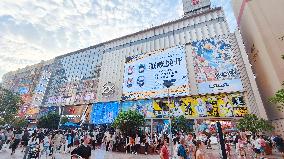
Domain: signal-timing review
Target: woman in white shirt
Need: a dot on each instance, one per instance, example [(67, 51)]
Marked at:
[(137, 144)]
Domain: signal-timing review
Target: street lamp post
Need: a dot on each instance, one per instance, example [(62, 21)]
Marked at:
[(168, 84)]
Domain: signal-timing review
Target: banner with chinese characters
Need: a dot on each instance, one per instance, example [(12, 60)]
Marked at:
[(104, 113), (221, 105), (142, 106), (145, 75), (215, 67)]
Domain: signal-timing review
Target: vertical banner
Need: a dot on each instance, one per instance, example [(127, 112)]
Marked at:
[(214, 65)]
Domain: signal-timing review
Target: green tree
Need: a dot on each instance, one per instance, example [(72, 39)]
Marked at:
[(129, 122), (20, 123), (180, 123), (64, 120), (250, 122), (9, 105), (278, 98), (50, 121)]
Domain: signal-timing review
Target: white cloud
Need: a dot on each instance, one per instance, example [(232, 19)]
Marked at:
[(32, 30)]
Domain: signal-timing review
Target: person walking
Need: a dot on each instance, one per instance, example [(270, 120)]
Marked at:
[(181, 150), (137, 144), (84, 150), (25, 140), (164, 154), (199, 153), (15, 142)]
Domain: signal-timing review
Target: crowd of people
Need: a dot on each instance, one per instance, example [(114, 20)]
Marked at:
[(78, 142)]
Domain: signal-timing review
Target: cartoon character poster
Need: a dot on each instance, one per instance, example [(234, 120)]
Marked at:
[(145, 74), (214, 65), (142, 106), (221, 105)]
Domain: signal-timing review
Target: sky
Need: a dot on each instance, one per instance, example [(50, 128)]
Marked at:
[(35, 30)]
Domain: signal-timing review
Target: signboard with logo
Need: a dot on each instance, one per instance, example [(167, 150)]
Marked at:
[(144, 75)]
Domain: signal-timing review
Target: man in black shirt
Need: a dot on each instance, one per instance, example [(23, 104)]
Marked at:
[(84, 150)]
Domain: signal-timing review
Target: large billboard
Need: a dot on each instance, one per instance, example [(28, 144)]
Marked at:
[(74, 113), (221, 105), (215, 66), (104, 113), (145, 74), (142, 106)]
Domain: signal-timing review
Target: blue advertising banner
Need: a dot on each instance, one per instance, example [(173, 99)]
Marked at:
[(104, 113), (142, 106), (145, 74), (220, 86)]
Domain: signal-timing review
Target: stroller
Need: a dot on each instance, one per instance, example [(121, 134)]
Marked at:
[(33, 151)]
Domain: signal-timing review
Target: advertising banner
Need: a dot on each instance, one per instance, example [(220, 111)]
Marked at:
[(233, 85), (142, 106), (214, 66), (144, 75), (104, 113), (74, 113), (221, 105), (45, 110)]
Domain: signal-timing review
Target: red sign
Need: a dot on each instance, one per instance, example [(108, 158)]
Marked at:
[(195, 2)]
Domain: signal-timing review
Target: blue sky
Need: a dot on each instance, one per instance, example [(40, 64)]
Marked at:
[(31, 30)]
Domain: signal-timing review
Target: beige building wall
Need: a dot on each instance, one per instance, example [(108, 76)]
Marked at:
[(262, 28)]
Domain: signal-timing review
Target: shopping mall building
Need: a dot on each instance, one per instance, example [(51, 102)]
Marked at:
[(206, 65)]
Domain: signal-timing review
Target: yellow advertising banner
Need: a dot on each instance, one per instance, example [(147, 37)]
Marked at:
[(221, 105)]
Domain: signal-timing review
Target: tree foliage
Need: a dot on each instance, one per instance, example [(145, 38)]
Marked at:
[(129, 122), (278, 98), (64, 120), (20, 123), (50, 121), (181, 124), (9, 105), (250, 122)]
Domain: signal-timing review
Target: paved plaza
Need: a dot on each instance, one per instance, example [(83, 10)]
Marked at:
[(102, 154), (96, 154)]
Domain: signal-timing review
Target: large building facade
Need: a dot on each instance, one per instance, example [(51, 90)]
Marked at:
[(264, 41), (206, 65)]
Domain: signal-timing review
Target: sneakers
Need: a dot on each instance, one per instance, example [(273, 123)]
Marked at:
[(146, 153)]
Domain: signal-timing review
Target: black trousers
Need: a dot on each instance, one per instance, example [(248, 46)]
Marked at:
[(107, 146), (15, 144), (136, 147), (146, 147)]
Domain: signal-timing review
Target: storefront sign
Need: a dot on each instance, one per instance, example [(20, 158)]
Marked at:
[(108, 89), (220, 86)]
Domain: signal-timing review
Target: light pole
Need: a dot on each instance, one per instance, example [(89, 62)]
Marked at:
[(168, 84)]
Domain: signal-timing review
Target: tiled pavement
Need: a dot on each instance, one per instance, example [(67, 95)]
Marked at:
[(101, 154)]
